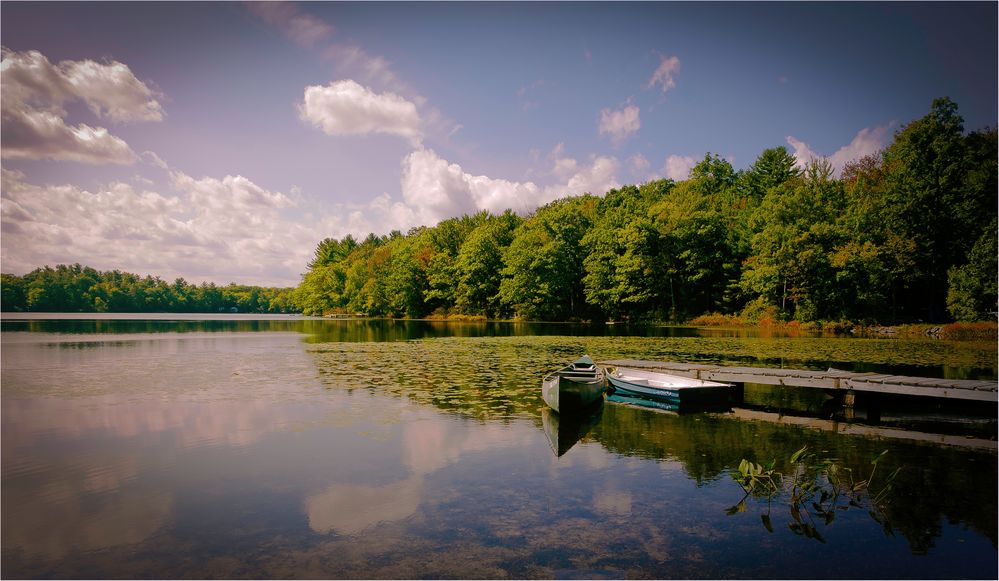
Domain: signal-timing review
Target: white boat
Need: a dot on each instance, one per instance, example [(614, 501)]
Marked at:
[(658, 386)]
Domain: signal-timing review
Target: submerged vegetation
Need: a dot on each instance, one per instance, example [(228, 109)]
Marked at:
[(907, 234)]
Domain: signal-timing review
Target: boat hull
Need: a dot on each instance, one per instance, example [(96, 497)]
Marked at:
[(563, 393), (663, 387), (574, 387)]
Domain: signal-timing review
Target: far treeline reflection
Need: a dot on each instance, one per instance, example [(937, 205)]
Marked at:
[(903, 235)]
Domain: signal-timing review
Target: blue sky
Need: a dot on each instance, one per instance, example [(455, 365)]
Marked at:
[(222, 141)]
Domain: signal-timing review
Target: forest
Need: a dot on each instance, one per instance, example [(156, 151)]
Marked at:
[(75, 288), (906, 235)]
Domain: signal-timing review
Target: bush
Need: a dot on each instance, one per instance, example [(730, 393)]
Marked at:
[(760, 312)]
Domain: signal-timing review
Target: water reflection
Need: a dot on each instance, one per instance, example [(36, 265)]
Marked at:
[(318, 330), (349, 509), (257, 454), (564, 430), (905, 356)]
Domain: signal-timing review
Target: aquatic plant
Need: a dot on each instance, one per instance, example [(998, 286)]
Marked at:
[(816, 490)]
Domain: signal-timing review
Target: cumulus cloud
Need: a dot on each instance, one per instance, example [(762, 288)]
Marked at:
[(228, 194), (34, 92), (664, 74), (213, 229), (348, 108), (638, 163), (32, 134), (562, 167), (436, 189), (620, 124), (678, 167), (867, 141), (111, 90), (304, 30), (232, 229)]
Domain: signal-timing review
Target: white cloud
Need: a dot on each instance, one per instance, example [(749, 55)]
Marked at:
[(678, 167), (664, 74), (222, 230), (802, 152), (111, 90), (435, 189), (620, 124), (348, 108), (34, 92), (229, 193), (562, 167), (596, 178), (34, 134), (304, 30), (231, 229), (151, 157), (867, 141), (639, 164)]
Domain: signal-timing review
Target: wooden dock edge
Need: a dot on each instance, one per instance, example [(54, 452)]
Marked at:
[(833, 379)]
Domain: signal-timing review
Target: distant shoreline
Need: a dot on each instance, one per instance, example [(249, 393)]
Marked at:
[(978, 331)]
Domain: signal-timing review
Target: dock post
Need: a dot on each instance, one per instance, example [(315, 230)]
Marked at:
[(849, 401), (738, 393)]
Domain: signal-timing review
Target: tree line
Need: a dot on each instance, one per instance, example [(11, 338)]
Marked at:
[(76, 288), (906, 234), (903, 235)]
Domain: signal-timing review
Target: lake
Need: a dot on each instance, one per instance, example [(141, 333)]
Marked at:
[(237, 446)]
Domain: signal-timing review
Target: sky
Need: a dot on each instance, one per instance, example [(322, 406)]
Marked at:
[(222, 141)]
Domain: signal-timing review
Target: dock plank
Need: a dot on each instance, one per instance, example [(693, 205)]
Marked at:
[(832, 379)]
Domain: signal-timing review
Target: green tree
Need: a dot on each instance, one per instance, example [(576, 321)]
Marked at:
[(771, 169), (972, 294), (620, 248), (542, 276), (875, 264), (796, 235), (479, 265), (934, 200), (694, 262), (13, 293), (445, 241)]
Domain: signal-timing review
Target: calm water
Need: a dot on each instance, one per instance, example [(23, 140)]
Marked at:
[(239, 447)]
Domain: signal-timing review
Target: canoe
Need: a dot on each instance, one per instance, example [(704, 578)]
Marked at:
[(576, 386), (664, 387)]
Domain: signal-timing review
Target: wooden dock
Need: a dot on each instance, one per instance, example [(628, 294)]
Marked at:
[(847, 382)]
